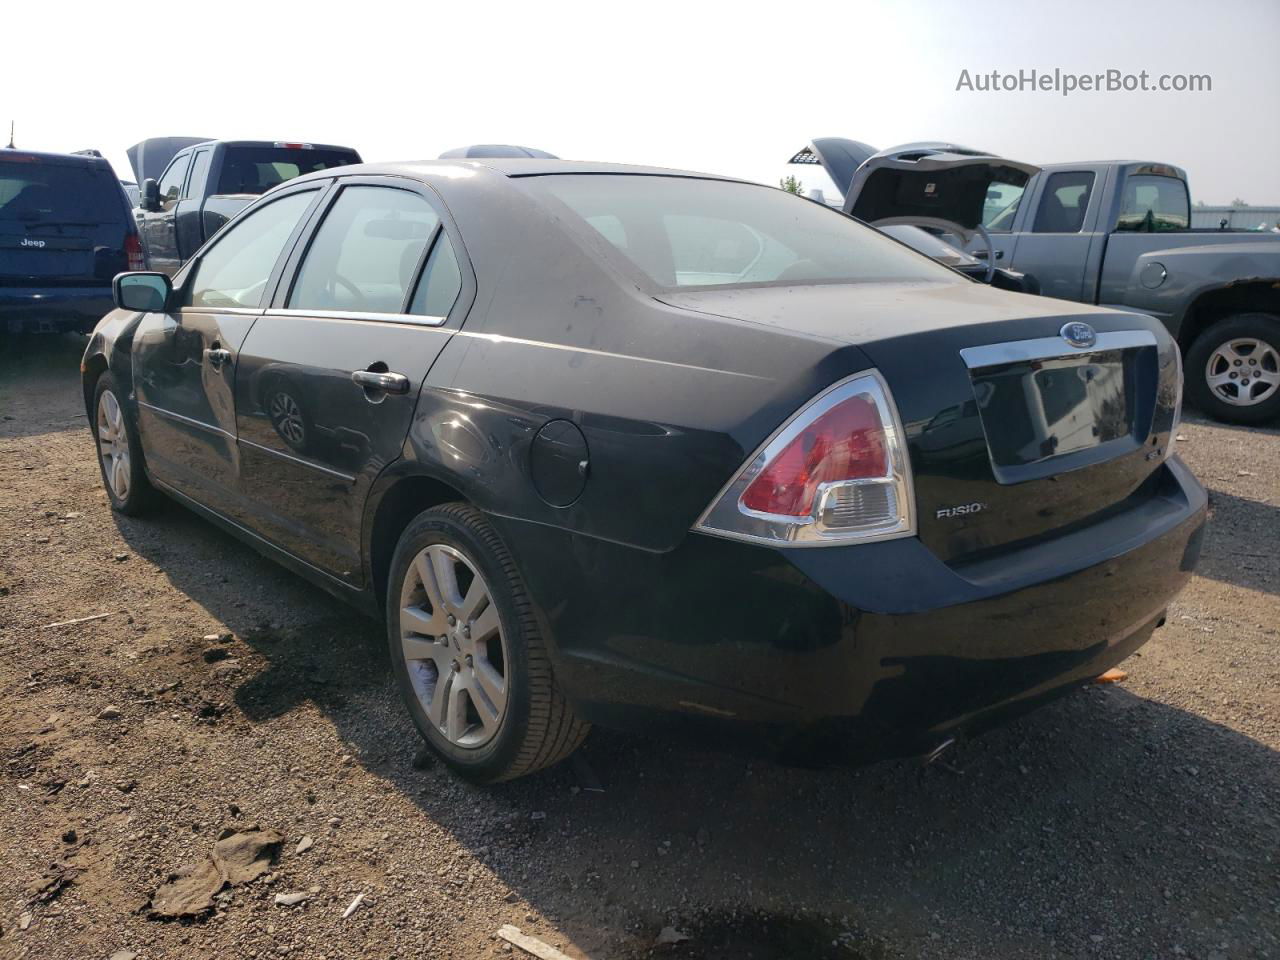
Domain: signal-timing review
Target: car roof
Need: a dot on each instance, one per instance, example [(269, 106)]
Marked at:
[(69, 159), (506, 167)]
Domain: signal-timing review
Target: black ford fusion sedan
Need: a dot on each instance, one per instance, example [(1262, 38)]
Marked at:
[(626, 446)]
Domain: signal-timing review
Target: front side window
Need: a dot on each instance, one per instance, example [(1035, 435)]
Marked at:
[(1001, 206), (684, 232), (1153, 204), (365, 254), (235, 270), (171, 181), (1064, 202)]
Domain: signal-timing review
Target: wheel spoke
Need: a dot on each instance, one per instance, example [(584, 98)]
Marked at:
[(456, 711), (476, 599), (445, 568), (427, 575), (1219, 380), (416, 648), (436, 705), (418, 620), (493, 688), (120, 473), (485, 625)]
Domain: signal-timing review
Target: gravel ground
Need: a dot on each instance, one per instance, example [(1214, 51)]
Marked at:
[(1132, 821)]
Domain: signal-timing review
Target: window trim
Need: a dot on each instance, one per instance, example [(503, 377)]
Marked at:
[(191, 168), (466, 296)]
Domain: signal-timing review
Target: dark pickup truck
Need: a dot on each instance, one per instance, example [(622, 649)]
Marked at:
[(207, 183), (1114, 233)]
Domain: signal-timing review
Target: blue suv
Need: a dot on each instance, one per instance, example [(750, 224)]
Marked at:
[(65, 231)]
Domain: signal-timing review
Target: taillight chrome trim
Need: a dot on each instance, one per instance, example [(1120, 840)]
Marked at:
[(727, 517)]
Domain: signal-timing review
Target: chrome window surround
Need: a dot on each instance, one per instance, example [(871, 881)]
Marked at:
[(1052, 348), (417, 319), (727, 517)]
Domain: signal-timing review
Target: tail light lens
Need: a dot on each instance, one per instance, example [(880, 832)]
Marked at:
[(836, 472), (133, 252)]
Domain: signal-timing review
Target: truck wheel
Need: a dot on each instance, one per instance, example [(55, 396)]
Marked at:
[(1233, 369), (119, 452), (466, 651)]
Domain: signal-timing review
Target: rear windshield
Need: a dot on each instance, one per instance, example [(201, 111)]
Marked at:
[(684, 232), (258, 169), (36, 192)]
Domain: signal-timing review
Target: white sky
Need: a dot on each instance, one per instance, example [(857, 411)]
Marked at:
[(730, 88)]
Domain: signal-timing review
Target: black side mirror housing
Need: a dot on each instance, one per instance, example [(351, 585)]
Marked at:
[(149, 196), (146, 292)]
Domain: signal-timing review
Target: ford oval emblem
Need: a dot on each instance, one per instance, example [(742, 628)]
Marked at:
[(1078, 334)]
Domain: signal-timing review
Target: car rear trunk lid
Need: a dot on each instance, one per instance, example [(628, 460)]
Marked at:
[(1013, 433)]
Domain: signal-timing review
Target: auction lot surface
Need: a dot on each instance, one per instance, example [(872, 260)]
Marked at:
[(1139, 820)]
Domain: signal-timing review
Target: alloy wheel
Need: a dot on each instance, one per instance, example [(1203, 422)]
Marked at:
[(452, 641), (113, 445), (1243, 371)]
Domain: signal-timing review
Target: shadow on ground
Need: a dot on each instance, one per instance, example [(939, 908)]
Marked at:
[(1032, 842)]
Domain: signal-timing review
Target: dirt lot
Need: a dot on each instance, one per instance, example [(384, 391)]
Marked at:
[(1132, 821)]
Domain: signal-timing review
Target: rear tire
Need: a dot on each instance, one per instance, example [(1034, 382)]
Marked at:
[(119, 451), (467, 655), (1248, 346)]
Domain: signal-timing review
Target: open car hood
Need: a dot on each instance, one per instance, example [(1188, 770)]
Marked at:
[(149, 157), (929, 183)]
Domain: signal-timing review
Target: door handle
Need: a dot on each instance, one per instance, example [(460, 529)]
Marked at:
[(982, 254), (217, 356), (384, 382)]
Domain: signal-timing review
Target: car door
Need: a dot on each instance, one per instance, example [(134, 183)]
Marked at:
[(184, 361), (1055, 243), (328, 378), (158, 227)]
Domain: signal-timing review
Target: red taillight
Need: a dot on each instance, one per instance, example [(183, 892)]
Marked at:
[(133, 252), (845, 443), (836, 472)]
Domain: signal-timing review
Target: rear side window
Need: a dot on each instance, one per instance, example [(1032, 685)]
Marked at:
[(258, 169), (1154, 204), (441, 281), (1064, 202), (366, 253), (235, 270), (32, 192), (685, 232), (170, 186)]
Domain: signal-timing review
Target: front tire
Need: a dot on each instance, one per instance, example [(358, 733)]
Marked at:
[(467, 655), (119, 451), (1233, 369)]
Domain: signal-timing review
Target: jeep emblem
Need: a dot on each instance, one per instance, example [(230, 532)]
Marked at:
[(1078, 334), (28, 242)]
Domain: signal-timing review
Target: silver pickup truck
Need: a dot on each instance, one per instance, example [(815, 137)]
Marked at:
[(1115, 233)]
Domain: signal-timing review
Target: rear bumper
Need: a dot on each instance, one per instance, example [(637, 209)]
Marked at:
[(53, 309), (872, 650)]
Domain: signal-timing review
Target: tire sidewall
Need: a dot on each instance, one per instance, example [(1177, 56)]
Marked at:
[(1260, 326), (485, 763)]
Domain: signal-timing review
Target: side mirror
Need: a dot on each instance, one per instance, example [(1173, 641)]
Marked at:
[(149, 196), (147, 292)]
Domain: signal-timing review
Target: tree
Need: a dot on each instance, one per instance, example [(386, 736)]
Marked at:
[(1237, 202), (792, 185)]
